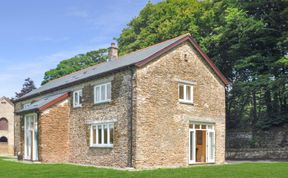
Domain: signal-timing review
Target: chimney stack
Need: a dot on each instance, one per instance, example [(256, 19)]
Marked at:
[(112, 52)]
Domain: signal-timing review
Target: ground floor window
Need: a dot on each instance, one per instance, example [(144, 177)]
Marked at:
[(201, 143), (101, 135)]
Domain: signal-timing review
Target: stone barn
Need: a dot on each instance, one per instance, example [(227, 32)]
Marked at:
[(6, 127)]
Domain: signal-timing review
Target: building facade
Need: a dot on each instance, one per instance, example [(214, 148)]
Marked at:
[(6, 127), (161, 106)]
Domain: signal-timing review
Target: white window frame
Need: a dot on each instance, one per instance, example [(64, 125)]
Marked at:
[(185, 86), (106, 99), (79, 95), (97, 144), (26, 105)]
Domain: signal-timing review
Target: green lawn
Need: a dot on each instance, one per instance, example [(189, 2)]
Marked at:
[(243, 170)]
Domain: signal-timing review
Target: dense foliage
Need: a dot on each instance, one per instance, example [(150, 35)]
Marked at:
[(246, 39), (76, 63), (26, 88)]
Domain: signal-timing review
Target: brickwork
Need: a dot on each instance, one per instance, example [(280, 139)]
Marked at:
[(54, 133)]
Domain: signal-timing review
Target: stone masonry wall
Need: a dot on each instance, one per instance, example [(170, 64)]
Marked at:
[(161, 122), (261, 144), (7, 112), (118, 110), (54, 133)]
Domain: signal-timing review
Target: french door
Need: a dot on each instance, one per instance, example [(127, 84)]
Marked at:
[(192, 146), (210, 146), (30, 137), (203, 134)]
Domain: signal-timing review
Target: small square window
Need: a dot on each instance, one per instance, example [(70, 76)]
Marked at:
[(102, 93), (185, 93)]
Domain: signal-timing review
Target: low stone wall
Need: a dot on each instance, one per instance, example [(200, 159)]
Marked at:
[(257, 154), (269, 144)]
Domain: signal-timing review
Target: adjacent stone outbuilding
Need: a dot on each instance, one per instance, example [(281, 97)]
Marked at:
[(6, 127), (161, 106)]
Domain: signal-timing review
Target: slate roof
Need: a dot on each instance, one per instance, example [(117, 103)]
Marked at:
[(37, 105), (134, 58)]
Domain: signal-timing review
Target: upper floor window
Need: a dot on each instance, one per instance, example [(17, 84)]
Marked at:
[(101, 135), (26, 105), (185, 93), (3, 124), (102, 93), (77, 98)]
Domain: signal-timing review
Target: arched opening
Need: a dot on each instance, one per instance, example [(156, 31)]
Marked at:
[(3, 139), (3, 124)]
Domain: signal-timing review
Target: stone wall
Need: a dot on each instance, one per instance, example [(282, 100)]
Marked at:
[(54, 133), (269, 144), (258, 154), (79, 151), (118, 110), (7, 112), (161, 122)]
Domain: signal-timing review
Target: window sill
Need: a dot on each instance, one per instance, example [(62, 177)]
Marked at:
[(186, 102), (101, 146), (75, 107), (103, 102)]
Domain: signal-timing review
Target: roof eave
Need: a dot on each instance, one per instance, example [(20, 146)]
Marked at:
[(70, 84)]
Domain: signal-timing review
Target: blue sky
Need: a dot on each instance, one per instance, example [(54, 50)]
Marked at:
[(35, 35)]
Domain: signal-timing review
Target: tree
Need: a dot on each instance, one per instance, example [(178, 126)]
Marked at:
[(76, 63), (27, 87), (247, 40)]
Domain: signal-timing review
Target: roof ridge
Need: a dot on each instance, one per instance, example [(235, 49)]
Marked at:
[(186, 34)]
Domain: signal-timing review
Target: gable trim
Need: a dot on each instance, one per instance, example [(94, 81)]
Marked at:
[(51, 103), (196, 46)]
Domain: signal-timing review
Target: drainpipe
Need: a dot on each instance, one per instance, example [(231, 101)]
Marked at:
[(130, 121)]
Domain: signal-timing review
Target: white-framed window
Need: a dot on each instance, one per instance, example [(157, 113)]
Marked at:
[(77, 98), (102, 93), (26, 105), (102, 135), (185, 92)]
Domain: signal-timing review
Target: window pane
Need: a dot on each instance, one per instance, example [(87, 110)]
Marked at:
[(102, 92), (181, 92), (97, 93), (203, 126), (99, 136), (192, 146), (80, 97), (188, 92), (111, 133), (105, 134), (197, 126), (94, 135), (75, 98), (108, 91)]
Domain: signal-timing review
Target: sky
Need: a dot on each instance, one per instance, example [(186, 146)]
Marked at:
[(36, 35)]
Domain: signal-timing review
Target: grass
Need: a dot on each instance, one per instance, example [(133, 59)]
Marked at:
[(243, 170)]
